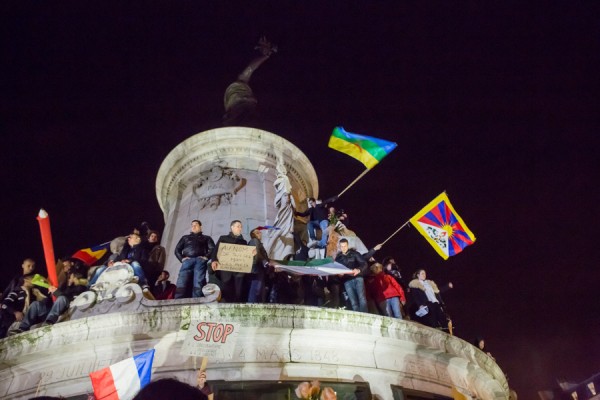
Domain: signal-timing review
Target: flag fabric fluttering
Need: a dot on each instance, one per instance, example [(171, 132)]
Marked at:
[(320, 267), (443, 228), (366, 149), (122, 381), (265, 227), (91, 255)]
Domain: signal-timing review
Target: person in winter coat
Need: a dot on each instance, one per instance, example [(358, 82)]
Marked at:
[(386, 292), (426, 301)]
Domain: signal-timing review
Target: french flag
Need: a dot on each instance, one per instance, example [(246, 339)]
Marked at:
[(122, 381)]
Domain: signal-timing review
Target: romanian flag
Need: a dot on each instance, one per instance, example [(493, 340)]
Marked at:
[(443, 228), (91, 255), (122, 381), (366, 149)]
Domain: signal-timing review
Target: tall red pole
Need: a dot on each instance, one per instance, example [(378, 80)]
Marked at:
[(44, 220)]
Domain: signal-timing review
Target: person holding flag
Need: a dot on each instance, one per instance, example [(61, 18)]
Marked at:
[(353, 283)]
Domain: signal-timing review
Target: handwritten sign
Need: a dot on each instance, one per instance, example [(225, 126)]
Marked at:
[(235, 257), (212, 339)]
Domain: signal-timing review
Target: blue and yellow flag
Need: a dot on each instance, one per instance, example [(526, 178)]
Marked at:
[(443, 228), (366, 149)]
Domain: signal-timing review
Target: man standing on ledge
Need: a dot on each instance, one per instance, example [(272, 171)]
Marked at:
[(354, 283), (231, 283), (193, 251)]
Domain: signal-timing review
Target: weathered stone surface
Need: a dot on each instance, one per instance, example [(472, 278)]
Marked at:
[(275, 342), (225, 174)]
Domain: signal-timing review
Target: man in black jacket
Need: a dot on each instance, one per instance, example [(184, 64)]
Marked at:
[(193, 251), (318, 213), (231, 283), (48, 312), (354, 284)]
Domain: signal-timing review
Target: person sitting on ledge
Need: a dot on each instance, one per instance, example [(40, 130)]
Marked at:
[(164, 289), (112, 262), (48, 312)]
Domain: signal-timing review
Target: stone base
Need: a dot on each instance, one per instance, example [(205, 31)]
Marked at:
[(272, 343)]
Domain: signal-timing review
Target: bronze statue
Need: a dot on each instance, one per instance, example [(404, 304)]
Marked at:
[(240, 103)]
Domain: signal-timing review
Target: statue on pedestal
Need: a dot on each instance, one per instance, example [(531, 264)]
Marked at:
[(240, 103), (280, 242)]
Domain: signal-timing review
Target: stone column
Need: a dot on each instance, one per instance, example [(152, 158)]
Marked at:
[(224, 174)]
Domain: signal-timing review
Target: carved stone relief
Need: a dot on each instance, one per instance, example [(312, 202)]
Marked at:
[(216, 185)]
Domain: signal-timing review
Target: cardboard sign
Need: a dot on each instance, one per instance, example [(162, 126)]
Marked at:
[(215, 340), (235, 257)]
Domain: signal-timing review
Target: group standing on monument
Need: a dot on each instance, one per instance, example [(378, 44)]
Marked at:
[(370, 286)]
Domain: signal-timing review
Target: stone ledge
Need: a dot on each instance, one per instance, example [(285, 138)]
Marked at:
[(283, 341)]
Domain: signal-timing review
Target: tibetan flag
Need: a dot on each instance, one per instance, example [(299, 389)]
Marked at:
[(122, 381), (91, 255), (366, 149), (439, 223)]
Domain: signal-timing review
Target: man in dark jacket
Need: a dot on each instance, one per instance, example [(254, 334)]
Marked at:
[(193, 250), (28, 267), (318, 219), (231, 283), (163, 289), (46, 311), (259, 268), (354, 283), (135, 254)]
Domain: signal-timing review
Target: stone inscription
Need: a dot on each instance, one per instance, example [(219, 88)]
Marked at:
[(74, 370)]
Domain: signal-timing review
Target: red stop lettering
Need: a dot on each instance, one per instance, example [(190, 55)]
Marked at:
[(213, 332)]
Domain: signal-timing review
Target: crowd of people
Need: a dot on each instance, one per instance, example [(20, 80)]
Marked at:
[(371, 286)]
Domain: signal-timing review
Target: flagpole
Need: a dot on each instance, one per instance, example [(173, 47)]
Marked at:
[(353, 182), (397, 230)]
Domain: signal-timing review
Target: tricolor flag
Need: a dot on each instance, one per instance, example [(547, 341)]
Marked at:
[(439, 223), (122, 381), (91, 255), (320, 267), (366, 149)]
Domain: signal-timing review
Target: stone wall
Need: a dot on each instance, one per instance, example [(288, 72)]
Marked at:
[(274, 342)]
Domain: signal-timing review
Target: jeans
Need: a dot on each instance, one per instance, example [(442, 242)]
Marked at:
[(312, 225), (191, 278), (42, 311), (392, 307), (257, 285), (355, 288), (139, 272), (324, 234)]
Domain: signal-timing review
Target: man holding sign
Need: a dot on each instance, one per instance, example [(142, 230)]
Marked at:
[(231, 260)]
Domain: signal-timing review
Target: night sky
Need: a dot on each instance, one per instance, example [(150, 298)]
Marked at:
[(495, 104)]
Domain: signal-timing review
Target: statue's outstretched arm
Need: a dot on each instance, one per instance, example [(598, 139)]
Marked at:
[(265, 48)]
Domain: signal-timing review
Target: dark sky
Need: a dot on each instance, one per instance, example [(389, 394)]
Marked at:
[(495, 103)]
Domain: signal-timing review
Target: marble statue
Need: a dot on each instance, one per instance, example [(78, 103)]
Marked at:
[(279, 243)]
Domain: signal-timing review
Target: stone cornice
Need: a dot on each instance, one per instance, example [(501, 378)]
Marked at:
[(299, 340), (245, 147)]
